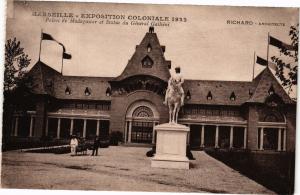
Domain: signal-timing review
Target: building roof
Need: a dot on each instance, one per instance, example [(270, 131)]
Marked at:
[(234, 93), (49, 81), (222, 92), (155, 54), (263, 83), (42, 78), (78, 85)]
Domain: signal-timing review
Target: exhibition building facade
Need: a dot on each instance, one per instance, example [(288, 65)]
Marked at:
[(254, 115)]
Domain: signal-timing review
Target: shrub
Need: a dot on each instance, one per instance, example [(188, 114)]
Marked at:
[(115, 137)]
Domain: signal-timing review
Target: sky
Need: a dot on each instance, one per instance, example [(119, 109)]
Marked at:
[(206, 47)]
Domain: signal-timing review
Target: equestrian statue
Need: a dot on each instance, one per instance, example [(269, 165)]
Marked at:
[(174, 95)]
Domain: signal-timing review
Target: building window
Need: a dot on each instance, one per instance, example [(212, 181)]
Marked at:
[(108, 92), (232, 96), (250, 92), (271, 90), (147, 62), (79, 105), (188, 95), (142, 111), (149, 48), (270, 139), (68, 91), (87, 91), (273, 118), (209, 96)]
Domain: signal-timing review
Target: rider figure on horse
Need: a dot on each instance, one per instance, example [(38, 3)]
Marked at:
[(175, 82)]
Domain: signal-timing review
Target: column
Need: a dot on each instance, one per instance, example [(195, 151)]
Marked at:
[(125, 132), (16, 126), (31, 127), (47, 128), (58, 129), (231, 137), (202, 136), (72, 127), (279, 140), (284, 140), (129, 131), (153, 133), (217, 137), (261, 147), (245, 137), (98, 128), (188, 135), (84, 128)]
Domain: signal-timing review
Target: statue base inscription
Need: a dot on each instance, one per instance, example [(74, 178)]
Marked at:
[(171, 146)]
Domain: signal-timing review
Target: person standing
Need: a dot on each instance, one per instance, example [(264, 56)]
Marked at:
[(73, 144), (96, 146)]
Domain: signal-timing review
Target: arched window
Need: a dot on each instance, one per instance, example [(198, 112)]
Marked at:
[(68, 91), (87, 91), (147, 62), (209, 96), (142, 111), (149, 48), (271, 118), (108, 92), (232, 96), (188, 95), (271, 91)]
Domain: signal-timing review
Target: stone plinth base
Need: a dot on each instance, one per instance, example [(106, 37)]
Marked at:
[(171, 146), (170, 162)]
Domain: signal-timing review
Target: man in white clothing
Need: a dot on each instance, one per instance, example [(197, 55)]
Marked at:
[(73, 144)]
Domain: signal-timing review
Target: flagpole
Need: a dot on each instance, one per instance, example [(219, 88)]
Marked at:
[(62, 63), (253, 67), (268, 49), (40, 44)]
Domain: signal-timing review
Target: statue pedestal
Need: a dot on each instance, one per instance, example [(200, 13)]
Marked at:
[(171, 146)]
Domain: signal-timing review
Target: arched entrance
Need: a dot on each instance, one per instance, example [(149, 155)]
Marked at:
[(141, 117), (272, 129)]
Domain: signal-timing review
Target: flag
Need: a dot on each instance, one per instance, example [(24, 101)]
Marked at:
[(264, 62), (65, 55), (261, 61), (281, 45), (46, 36)]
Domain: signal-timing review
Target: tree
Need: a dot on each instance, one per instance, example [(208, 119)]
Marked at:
[(287, 65), (16, 63), (15, 83)]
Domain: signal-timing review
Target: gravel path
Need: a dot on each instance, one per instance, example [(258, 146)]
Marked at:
[(120, 168)]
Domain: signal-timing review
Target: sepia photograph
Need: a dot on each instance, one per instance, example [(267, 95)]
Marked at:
[(145, 97)]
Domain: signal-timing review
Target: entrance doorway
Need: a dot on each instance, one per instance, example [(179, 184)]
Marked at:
[(142, 132), (140, 120)]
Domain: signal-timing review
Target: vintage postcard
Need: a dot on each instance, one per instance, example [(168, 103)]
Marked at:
[(150, 98)]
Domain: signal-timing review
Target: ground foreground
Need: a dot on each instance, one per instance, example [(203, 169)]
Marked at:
[(119, 168)]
